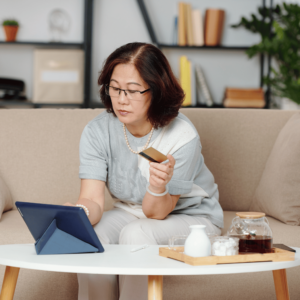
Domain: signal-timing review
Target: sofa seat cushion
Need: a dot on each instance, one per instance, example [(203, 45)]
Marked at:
[(6, 202), (282, 233), (13, 229)]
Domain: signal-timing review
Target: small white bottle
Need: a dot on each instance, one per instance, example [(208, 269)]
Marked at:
[(197, 243)]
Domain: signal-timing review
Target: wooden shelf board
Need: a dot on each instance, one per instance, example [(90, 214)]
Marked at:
[(204, 106), (28, 103), (204, 47), (94, 104), (36, 43)]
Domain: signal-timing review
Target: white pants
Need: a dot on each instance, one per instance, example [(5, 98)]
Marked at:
[(120, 227)]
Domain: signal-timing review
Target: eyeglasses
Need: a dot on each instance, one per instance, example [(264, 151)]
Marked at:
[(130, 94)]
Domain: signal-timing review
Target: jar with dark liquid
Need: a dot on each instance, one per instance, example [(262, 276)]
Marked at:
[(254, 232)]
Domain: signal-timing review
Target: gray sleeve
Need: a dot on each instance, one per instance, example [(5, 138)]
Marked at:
[(93, 162), (188, 164)]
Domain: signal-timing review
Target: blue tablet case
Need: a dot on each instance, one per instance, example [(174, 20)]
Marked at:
[(59, 229)]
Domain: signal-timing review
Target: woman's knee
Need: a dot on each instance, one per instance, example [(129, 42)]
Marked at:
[(138, 232), (105, 229), (102, 234)]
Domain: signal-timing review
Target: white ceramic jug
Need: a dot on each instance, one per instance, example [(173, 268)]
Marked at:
[(197, 243)]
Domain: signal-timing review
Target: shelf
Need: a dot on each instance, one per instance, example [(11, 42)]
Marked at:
[(85, 45), (28, 103), (221, 106), (54, 44), (214, 106), (204, 106), (94, 104), (162, 46), (204, 47)]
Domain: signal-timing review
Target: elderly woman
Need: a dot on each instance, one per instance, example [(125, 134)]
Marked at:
[(152, 201)]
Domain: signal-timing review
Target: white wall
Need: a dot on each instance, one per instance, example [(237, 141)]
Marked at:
[(33, 18), (17, 61), (117, 22)]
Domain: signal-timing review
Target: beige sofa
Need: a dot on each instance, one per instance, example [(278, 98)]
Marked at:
[(39, 161)]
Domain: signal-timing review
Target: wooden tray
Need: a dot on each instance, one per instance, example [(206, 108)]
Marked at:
[(177, 253)]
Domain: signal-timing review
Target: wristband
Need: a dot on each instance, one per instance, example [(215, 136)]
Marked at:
[(157, 195), (84, 208)]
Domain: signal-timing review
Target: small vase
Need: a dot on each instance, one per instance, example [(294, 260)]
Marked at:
[(11, 33), (197, 243)]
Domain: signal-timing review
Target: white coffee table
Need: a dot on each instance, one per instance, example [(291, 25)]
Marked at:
[(117, 259)]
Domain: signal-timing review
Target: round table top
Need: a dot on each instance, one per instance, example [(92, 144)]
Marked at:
[(118, 259)]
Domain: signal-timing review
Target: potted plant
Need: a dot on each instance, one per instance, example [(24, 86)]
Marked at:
[(279, 28), (11, 28)]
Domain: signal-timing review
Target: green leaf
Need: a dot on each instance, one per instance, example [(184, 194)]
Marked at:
[(280, 40), (10, 23)]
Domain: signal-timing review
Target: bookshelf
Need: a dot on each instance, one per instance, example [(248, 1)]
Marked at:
[(86, 46), (204, 47), (35, 105), (155, 41), (56, 45)]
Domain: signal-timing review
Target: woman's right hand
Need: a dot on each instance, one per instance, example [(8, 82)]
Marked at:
[(161, 174)]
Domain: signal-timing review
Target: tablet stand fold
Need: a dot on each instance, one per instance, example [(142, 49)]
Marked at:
[(56, 241)]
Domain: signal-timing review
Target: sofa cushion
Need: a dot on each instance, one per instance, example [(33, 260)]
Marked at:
[(6, 202), (278, 192), (13, 229)]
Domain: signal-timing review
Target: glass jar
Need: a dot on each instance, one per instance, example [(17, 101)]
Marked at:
[(224, 246), (254, 232)]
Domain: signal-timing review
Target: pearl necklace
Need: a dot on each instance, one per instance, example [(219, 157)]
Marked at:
[(126, 139)]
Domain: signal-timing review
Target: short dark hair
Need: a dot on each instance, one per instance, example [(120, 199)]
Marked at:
[(154, 68)]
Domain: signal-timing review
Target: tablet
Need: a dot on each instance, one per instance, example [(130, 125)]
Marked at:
[(72, 224)]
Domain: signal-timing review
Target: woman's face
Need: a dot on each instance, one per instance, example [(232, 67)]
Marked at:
[(130, 112)]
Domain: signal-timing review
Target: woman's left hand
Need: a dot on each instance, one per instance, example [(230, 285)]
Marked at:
[(161, 174)]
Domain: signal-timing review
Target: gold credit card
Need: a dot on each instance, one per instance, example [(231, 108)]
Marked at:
[(153, 155)]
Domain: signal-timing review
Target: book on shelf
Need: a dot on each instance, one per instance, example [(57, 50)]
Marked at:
[(185, 80), (193, 85), (214, 21), (237, 97), (175, 31), (193, 82), (190, 26), (181, 24), (236, 93), (202, 88), (244, 103), (197, 22)]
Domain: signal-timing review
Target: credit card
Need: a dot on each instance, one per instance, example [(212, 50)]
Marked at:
[(153, 155)]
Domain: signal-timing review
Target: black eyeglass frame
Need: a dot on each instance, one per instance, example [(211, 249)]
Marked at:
[(108, 86)]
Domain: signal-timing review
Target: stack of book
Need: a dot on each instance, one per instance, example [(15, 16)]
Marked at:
[(191, 80), (190, 26), (244, 98)]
